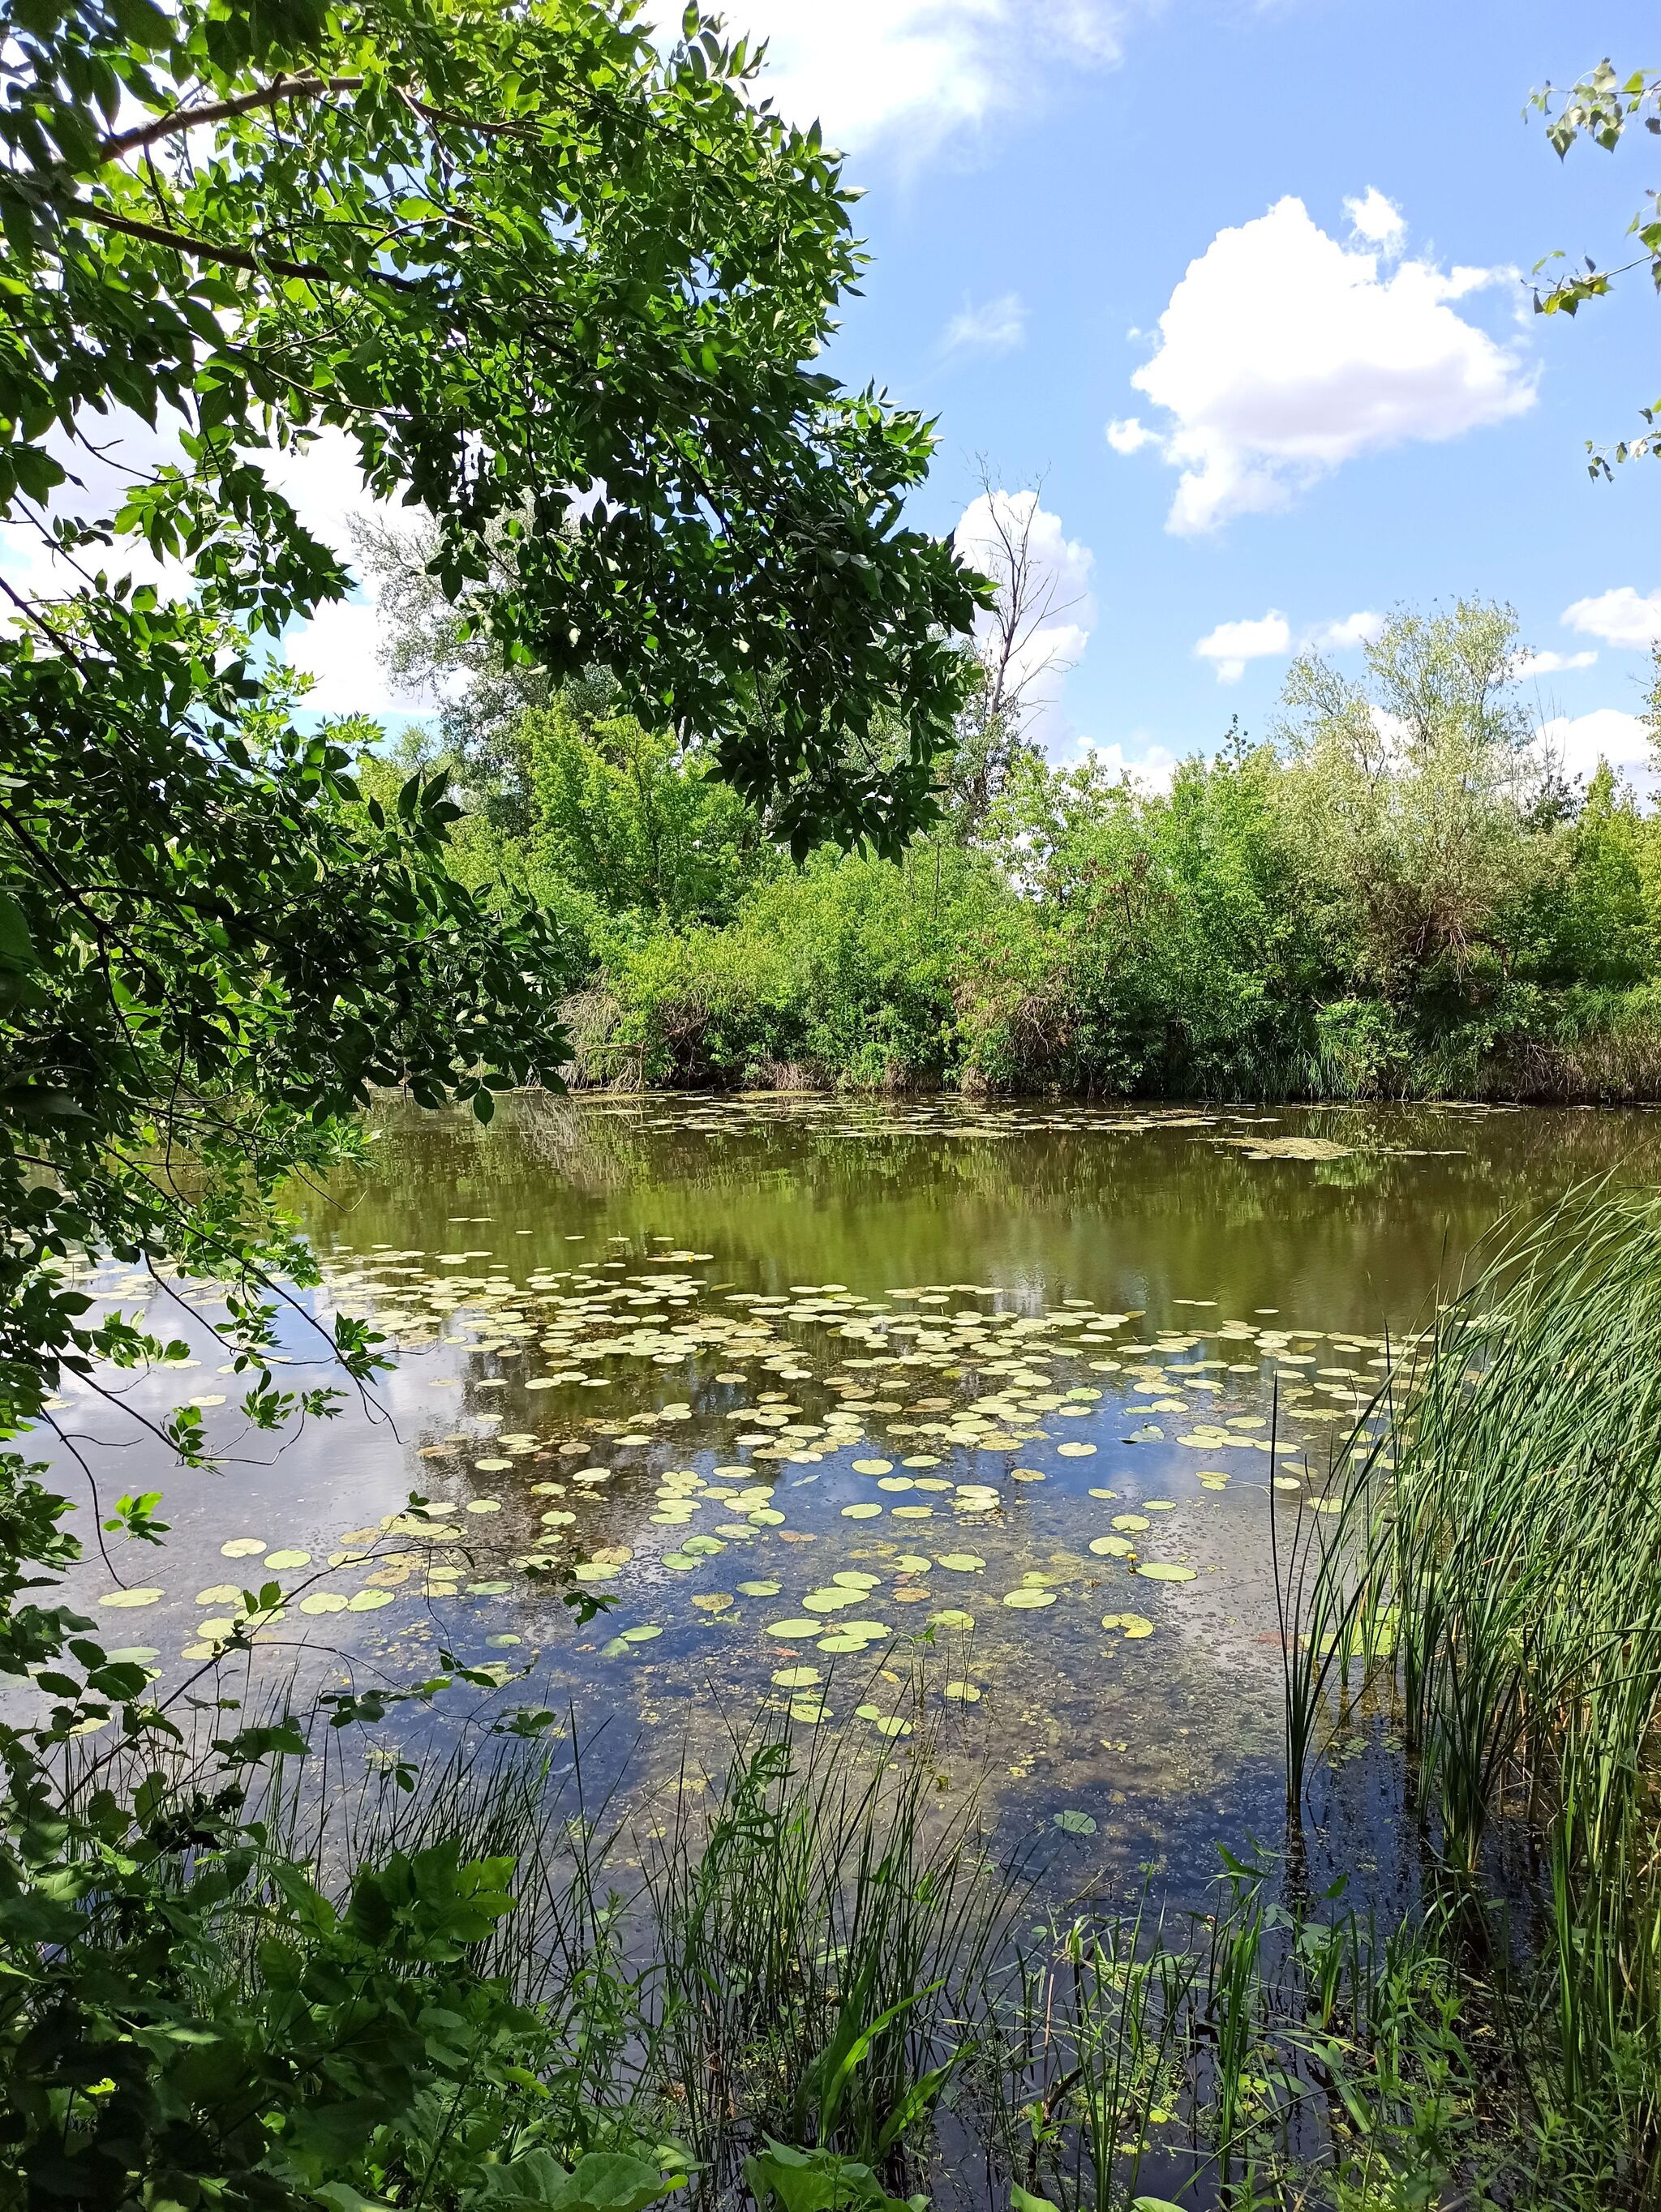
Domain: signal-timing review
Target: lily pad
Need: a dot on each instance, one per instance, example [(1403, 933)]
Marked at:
[(794, 1630), (1134, 1625), (1113, 1547), (1074, 1823), (952, 1616), (643, 1634), (244, 1547), (1029, 1600), (829, 1599), (759, 1589), (1076, 1451), (864, 1512), (962, 1693), (368, 1601), (279, 1559), (1156, 1570), (885, 1723), (873, 1466), (129, 1597), (324, 1601), (1132, 1524), (797, 1677)]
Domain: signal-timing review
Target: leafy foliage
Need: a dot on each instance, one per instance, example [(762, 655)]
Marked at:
[(1603, 106), (1397, 892)]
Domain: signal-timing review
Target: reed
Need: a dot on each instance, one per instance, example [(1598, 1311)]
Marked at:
[(1505, 1578)]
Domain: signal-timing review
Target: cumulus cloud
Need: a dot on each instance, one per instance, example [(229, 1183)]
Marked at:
[(920, 71), (1578, 742), (1529, 664), (1129, 436), (1152, 766), (340, 647), (1232, 644), (1377, 219), (1621, 617), (999, 326), (1284, 353), (1348, 631)]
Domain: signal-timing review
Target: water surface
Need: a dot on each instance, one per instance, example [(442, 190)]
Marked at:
[(713, 1354)]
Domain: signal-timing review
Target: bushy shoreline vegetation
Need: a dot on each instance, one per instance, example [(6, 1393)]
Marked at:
[(1395, 893)]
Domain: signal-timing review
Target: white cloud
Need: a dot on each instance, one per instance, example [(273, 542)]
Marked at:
[(1527, 665), (1621, 617), (1350, 630), (340, 646), (1232, 644), (1580, 741), (997, 327), (1152, 766), (1283, 354), (1378, 219), (919, 71), (1057, 588), (1129, 436)]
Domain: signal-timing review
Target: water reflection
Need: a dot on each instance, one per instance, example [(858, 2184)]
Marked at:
[(829, 1401)]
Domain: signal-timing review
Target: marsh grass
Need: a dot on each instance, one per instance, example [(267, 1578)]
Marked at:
[(1499, 1586)]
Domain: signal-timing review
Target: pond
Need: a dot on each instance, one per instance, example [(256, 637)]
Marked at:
[(917, 1417)]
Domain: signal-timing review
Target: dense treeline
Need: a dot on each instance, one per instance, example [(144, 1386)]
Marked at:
[(1396, 892)]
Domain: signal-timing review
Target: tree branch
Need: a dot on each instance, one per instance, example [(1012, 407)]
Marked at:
[(229, 256), (223, 110)]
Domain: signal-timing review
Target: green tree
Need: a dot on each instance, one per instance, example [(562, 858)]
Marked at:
[(1409, 799), (633, 821)]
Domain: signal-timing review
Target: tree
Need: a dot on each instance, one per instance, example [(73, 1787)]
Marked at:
[(1410, 791), (540, 278), (630, 819), (1603, 106), (1019, 644), (513, 255)]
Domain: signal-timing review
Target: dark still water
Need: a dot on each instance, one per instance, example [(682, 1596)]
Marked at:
[(916, 1424)]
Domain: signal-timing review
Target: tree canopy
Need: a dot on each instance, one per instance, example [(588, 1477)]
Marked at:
[(544, 280)]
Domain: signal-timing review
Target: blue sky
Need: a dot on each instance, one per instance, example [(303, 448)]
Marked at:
[(1040, 179)]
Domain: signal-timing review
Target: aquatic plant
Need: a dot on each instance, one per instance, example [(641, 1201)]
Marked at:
[(1497, 1576)]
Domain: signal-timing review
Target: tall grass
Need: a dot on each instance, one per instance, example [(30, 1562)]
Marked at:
[(1505, 1580)]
